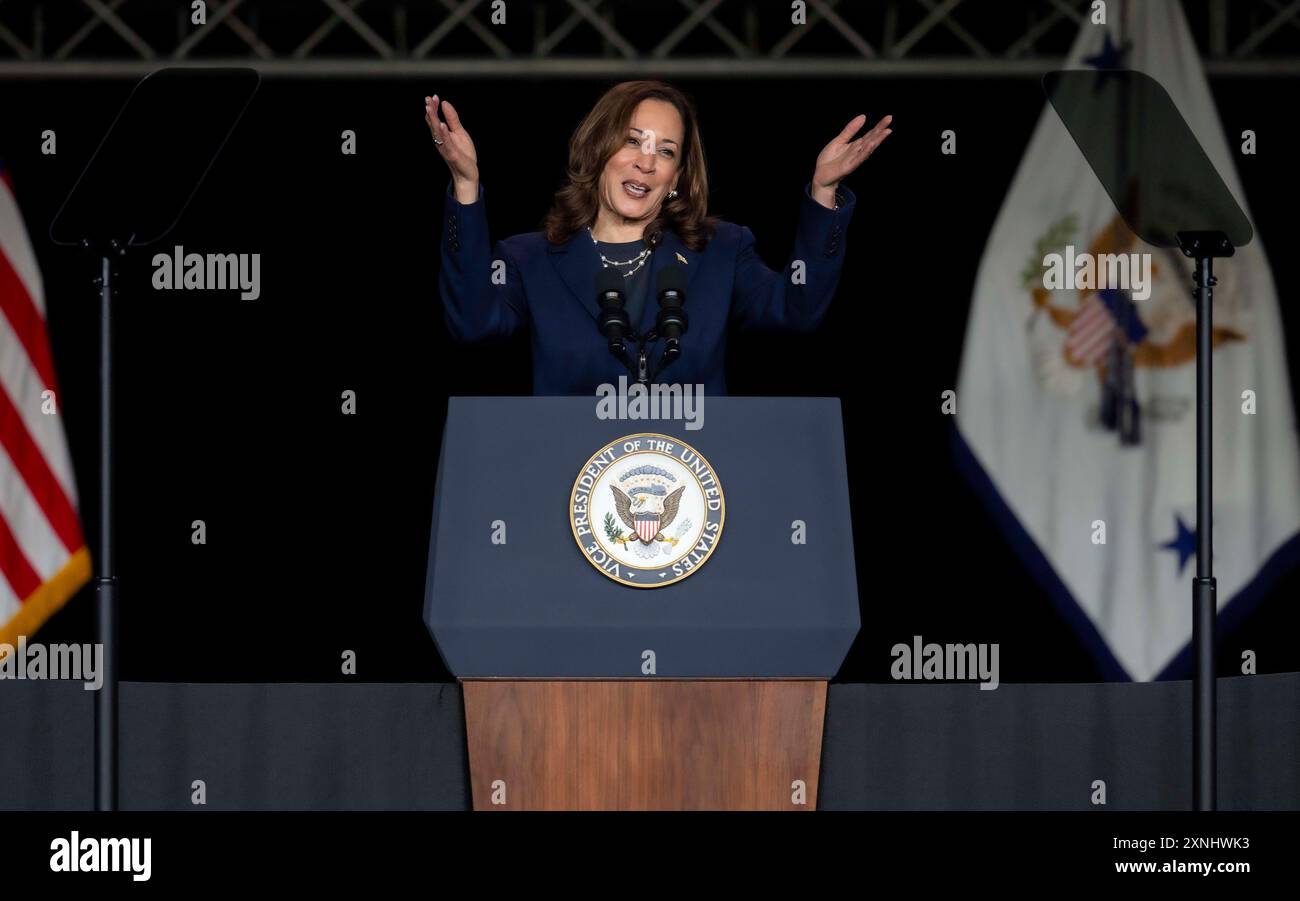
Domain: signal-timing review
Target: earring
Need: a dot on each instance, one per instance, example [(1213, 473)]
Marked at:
[(672, 193)]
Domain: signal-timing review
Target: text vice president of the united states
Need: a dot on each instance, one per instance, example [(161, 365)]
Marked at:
[(635, 200)]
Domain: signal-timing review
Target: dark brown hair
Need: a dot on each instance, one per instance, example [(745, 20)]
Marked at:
[(600, 135)]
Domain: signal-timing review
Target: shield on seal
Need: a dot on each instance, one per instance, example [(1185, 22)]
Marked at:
[(647, 526)]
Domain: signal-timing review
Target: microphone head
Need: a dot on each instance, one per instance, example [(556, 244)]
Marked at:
[(608, 281), (671, 278), (613, 321), (670, 285)]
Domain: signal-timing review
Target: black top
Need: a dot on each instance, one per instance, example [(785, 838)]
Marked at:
[(636, 287)]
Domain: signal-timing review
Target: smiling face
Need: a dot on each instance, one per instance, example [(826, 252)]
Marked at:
[(645, 168)]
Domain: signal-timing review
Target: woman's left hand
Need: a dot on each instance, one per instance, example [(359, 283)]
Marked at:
[(842, 155)]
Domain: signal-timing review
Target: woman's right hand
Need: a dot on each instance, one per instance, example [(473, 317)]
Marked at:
[(455, 147)]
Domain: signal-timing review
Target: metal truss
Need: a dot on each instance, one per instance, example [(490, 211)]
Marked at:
[(604, 38)]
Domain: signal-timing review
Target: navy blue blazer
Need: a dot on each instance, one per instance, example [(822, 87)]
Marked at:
[(551, 290)]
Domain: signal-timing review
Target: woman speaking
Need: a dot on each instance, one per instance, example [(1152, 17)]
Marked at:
[(635, 201)]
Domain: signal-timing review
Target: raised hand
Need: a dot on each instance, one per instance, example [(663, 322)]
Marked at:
[(453, 143), (842, 155)]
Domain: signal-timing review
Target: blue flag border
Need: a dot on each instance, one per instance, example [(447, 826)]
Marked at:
[(1230, 617)]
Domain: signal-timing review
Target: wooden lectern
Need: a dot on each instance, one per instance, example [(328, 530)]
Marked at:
[(584, 690), (720, 744)]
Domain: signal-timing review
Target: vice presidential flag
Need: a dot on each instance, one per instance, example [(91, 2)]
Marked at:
[(1077, 406), (43, 557)]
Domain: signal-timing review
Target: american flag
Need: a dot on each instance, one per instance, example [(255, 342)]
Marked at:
[(43, 556), (1091, 333)]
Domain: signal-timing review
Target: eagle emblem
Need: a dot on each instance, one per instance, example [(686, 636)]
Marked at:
[(647, 505), (646, 510), (1107, 337)]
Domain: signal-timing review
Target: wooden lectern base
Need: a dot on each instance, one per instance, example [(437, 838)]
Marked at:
[(644, 744)]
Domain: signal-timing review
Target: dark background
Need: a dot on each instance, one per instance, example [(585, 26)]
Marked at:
[(317, 523)]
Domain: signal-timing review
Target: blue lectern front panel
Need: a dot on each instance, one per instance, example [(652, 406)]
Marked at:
[(510, 593)]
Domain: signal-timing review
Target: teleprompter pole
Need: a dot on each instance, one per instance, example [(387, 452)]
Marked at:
[(1203, 247)]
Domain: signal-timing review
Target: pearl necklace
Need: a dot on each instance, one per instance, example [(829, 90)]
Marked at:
[(639, 259)]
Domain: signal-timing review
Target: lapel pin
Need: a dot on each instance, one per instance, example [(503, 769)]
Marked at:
[(683, 259)]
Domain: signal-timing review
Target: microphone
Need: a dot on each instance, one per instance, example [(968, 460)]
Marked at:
[(670, 287), (613, 321)]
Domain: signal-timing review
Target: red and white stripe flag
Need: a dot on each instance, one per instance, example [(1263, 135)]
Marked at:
[(43, 557), (1091, 334)]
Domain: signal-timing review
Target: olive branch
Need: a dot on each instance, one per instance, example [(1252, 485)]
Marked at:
[(612, 531), (1057, 235)]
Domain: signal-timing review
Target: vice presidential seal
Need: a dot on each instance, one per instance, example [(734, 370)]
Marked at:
[(647, 510)]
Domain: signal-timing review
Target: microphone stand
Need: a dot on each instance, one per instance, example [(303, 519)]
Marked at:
[(642, 360), (641, 372), (614, 322), (672, 350)]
